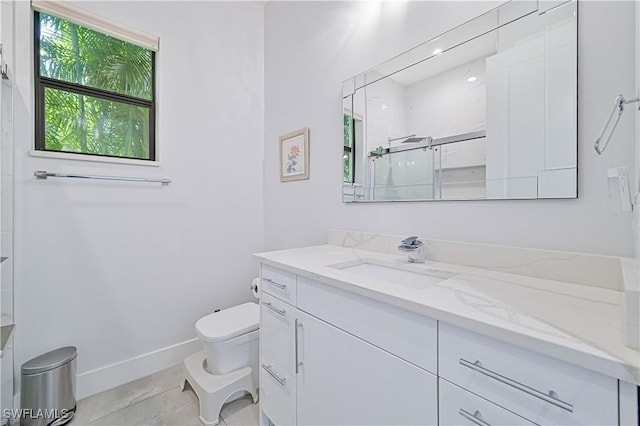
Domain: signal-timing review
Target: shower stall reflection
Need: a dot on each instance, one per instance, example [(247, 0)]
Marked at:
[(450, 168)]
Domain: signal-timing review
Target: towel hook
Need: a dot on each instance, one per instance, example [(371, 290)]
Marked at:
[(618, 106)]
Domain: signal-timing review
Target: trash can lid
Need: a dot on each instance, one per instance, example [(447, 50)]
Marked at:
[(50, 360)]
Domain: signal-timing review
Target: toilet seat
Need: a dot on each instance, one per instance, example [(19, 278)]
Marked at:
[(229, 323)]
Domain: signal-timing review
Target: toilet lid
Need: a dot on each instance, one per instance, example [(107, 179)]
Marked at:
[(229, 323)]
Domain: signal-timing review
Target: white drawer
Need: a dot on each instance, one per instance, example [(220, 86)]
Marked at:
[(279, 283), (277, 331), (460, 407), (277, 393), (542, 389), (407, 335)]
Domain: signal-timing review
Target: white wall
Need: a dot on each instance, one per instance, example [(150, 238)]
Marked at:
[(121, 270), (447, 104), (311, 47), (637, 180), (385, 115)]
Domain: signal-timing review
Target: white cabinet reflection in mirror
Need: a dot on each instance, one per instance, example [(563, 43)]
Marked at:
[(488, 110)]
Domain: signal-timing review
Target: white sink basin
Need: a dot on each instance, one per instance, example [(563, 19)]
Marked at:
[(404, 277)]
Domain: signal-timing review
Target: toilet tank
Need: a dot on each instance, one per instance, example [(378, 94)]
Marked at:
[(230, 338), (233, 354)]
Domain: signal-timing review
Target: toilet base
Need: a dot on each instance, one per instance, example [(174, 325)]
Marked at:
[(214, 390)]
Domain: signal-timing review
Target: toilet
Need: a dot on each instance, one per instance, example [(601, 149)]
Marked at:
[(230, 338), (227, 367)]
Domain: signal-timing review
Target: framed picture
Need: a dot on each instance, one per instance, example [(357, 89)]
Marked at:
[(294, 155)]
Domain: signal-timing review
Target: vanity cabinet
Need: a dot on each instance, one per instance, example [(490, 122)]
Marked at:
[(539, 388), (316, 369), (407, 335), (344, 380), (277, 357), (278, 322), (281, 284), (458, 407), (330, 356)]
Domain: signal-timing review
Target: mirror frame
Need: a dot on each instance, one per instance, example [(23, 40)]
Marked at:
[(490, 21)]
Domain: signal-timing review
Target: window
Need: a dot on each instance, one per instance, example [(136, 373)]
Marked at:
[(347, 159), (352, 148), (94, 93)]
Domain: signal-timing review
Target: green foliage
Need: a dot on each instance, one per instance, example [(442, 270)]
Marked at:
[(111, 128), (347, 130), (77, 122), (346, 173)]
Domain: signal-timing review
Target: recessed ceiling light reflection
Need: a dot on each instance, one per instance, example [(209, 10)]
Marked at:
[(472, 79), (437, 51)]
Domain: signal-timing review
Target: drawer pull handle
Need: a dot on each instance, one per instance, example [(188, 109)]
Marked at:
[(268, 369), (298, 324), (474, 418), (280, 286), (281, 312), (551, 397)]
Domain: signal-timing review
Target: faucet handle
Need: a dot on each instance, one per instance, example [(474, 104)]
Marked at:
[(411, 242), (412, 246)]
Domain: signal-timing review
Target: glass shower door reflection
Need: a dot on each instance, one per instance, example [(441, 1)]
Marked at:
[(402, 175)]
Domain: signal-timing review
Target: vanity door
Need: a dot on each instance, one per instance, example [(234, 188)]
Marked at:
[(344, 380)]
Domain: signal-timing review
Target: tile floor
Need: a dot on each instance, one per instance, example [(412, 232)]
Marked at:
[(157, 400)]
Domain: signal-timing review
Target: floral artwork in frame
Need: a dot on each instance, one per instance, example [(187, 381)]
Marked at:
[(294, 155)]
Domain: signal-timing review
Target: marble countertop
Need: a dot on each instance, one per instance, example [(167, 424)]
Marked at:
[(577, 323)]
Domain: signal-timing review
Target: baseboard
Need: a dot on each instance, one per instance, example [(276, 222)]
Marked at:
[(119, 373)]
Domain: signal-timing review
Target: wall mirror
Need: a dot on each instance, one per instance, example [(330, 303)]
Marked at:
[(487, 110)]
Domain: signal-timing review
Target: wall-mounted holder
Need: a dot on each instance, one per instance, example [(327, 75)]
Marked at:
[(42, 174), (4, 68), (619, 192), (608, 129)]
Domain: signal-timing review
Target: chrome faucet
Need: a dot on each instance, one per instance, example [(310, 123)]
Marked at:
[(413, 247)]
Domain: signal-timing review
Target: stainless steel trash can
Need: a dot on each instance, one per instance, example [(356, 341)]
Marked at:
[(48, 394)]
